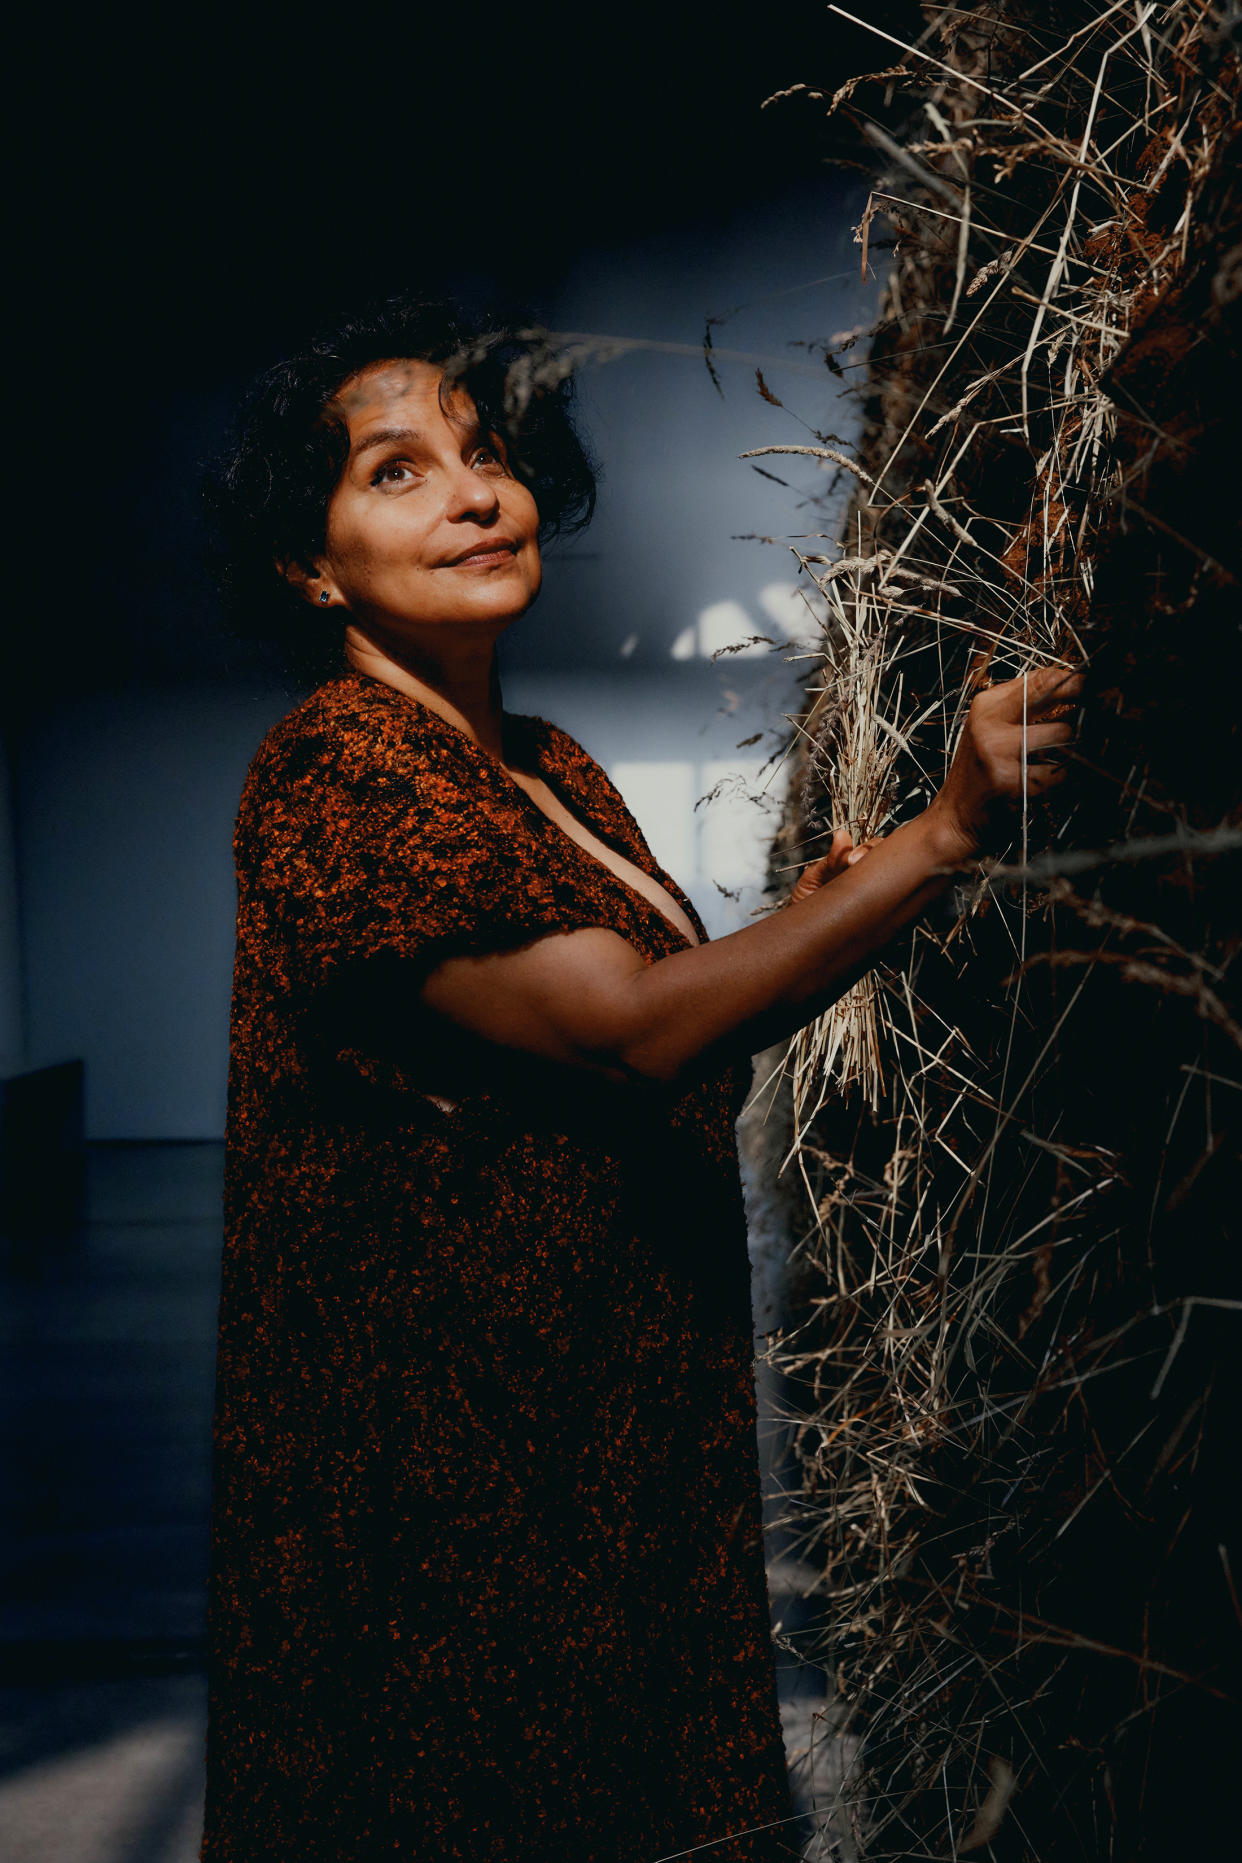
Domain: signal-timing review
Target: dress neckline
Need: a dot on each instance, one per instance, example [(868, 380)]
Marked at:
[(534, 735)]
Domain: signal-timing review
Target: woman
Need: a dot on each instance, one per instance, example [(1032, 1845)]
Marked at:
[(487, 1571)]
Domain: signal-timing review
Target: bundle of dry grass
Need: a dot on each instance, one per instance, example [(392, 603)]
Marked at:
[(1016, 1323)]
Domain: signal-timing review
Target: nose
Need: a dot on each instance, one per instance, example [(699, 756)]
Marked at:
[(471, 496)]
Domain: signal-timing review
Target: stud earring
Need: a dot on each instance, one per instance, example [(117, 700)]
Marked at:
[(323, 595)]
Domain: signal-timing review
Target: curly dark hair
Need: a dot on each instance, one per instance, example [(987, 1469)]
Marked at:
[(267, 496)]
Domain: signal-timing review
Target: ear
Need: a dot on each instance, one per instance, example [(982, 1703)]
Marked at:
[(311, 581)]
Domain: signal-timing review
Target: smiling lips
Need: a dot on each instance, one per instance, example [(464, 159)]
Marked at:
[(485, 555)]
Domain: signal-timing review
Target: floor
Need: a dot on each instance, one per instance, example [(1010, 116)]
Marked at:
[(107, 1343), (106, 1360)]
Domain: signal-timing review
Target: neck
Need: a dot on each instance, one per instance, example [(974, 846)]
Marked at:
[(462, 685)]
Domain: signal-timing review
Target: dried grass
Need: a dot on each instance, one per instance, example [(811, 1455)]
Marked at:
[(992, 1401)]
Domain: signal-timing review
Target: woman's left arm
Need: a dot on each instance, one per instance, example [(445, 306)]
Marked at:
[(587, 999)]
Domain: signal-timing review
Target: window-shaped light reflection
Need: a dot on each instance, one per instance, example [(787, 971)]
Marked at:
[(661, 798), (736, 826), (788, 612), (717, 851)]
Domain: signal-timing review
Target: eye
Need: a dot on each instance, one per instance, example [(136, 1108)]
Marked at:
[(392, 472), (488, 457)]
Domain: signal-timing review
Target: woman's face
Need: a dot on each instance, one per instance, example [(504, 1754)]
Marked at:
[(427, 527)]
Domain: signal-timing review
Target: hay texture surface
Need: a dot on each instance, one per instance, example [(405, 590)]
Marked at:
[(1012, 1349)]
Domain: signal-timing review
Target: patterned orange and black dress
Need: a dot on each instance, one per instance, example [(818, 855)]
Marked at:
[(487, 1580)]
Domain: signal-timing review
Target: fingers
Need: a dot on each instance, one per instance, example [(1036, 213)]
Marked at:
[(1043, 688), (1013, 748), (1013, 785), (834, 860), (1041, 736), (813, 877), (841, 854), (1042, 776), (1002, 737)]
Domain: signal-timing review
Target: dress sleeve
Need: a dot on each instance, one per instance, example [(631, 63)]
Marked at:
[(365, 857)]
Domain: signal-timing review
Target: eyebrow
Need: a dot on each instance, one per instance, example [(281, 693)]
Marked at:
[(386, 436), (399, 436)]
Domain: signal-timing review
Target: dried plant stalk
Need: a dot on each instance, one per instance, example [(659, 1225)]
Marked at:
[(854, 755), (1018, 1143)]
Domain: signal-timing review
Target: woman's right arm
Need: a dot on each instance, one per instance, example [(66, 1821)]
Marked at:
[(587, 999)]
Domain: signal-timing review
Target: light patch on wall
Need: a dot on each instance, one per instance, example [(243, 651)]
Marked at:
[(661, 798), (796, 608), (726, 624), (720, 625), (737, 824), (717, 851)]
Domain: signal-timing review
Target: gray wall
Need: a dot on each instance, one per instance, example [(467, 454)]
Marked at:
[(124, 798), (12, 981)]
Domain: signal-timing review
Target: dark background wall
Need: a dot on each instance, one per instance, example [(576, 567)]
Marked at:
[(200, 204)]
